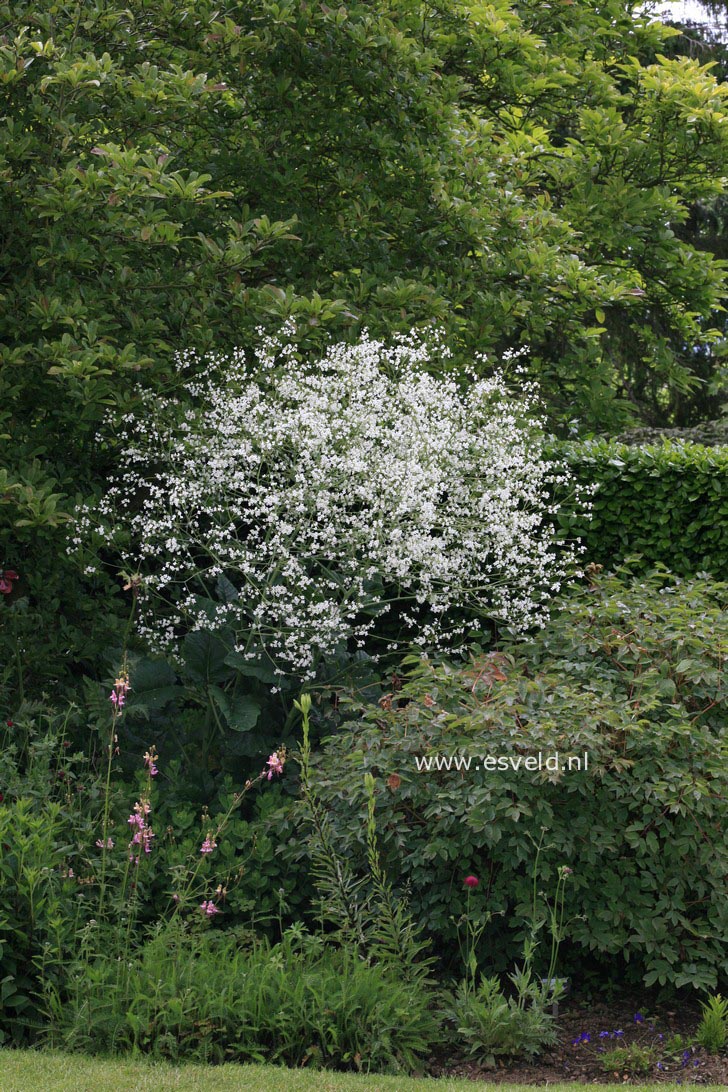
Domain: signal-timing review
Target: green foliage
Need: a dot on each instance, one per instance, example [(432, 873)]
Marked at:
[(174, 176), (490, 1025), (178, 146), (363, 910), (667, 503), (214, 998), (49, 803), (37, 913), (634, 1059), (712, 1030), (628, 673)]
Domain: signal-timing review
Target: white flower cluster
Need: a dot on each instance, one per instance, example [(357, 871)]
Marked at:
[(317, 494)]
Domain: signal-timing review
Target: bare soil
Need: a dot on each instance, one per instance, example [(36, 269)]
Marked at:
[(661, 1039)]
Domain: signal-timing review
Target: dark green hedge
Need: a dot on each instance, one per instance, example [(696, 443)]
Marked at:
[(666, 502)]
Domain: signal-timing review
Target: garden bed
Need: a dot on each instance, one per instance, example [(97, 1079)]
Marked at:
[(662, 1033)]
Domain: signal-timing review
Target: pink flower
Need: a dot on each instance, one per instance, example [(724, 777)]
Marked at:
[(208, 845), (150, 760), (209, 908), (118, 694), (108, 844), (471, 881), (143, 834), (275, 764)]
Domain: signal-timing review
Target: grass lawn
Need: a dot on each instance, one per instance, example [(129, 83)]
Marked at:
[(36, 1071)]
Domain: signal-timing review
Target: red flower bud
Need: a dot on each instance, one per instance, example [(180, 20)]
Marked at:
[(471, 881)]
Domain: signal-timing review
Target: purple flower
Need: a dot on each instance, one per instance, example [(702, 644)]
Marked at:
[(639, 1018), (660, 1065), (585, 1037), (603, 1034), (617, 1034)]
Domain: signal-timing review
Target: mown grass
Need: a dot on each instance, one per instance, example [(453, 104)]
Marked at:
[(38, 1071)]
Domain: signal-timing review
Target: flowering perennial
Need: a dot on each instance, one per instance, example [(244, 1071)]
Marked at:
[(275, 764), (142, 832), (294, 502), (209, 844), (117, 697)]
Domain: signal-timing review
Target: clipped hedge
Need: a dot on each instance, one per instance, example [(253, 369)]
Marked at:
[(631, 673), (666, 502)]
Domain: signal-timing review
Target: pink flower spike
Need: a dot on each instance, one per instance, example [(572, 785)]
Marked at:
[(109, 844), (114, 697), (208, 845), (150, 761), (209, 908)]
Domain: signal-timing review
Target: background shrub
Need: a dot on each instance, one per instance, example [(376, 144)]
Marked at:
[(667, 502), (631, 674)]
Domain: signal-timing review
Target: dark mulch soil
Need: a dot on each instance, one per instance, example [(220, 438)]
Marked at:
[(669, 1058)]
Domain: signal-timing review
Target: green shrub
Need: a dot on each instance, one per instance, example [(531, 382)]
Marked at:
[(667, 503), (491, 1025), (37, 913), (633, 1059), (630, 674), (204, 996), (48, 801)]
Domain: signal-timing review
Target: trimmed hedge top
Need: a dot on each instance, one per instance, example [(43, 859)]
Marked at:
[(666, 503)]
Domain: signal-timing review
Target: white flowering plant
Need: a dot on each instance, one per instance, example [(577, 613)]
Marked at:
[(294, 503)]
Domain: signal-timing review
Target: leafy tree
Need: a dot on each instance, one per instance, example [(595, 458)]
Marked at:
[(176, 173)]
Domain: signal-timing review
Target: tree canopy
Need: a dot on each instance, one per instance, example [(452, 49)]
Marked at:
[(176, 174)]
